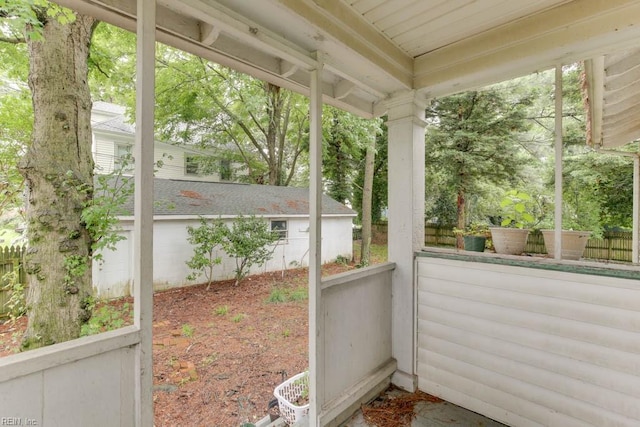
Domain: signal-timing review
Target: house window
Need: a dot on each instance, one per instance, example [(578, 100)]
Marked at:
[(123, 158), (197, 165), (280, 227)]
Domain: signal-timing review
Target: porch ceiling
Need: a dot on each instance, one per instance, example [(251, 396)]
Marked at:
[(374, 48), (614, 98)]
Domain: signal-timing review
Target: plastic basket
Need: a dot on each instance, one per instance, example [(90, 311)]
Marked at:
[(288, 392)]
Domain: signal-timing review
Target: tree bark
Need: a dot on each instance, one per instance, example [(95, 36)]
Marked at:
[(461, 218), (367, 197), (58, 169)]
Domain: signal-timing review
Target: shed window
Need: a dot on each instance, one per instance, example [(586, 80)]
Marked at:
[(280, 227)]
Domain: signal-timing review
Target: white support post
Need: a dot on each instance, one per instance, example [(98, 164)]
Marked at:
[(143, 209), (558, 164), (406, 125), (316, 330), (635, 242)]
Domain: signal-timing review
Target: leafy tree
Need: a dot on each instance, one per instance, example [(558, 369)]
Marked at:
[(206, 238), (346, 139), (16, 116), (248, 242), (473, 138), (379, 187), (255, 124), (57, 167)]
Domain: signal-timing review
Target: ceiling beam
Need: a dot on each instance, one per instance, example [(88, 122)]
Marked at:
[(572, 31), (594, 69), (340, 22), (185, 32)]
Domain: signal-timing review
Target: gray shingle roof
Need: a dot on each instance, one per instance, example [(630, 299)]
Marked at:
[(116, 124), (175, 197)]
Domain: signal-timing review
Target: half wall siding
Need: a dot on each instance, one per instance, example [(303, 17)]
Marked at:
[(530, 347)]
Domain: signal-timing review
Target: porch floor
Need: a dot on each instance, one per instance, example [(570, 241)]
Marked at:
[(434, 414)]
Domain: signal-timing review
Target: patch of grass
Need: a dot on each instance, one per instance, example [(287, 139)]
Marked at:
[(188, 330), (281, 295), (238, 317), (277, 295), (286, 333), (299, 294), (222, 310)]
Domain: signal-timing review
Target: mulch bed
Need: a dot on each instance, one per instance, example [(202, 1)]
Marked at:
[(218, 354)]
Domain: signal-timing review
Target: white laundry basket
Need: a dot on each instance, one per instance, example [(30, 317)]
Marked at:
[(290, 391)]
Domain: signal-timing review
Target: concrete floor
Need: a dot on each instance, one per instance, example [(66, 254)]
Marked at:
[(428, 414), (433, 414)]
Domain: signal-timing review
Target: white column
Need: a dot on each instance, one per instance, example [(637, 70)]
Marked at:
[(316, 332), (635, 241), (143, 209), (558, 165), (406, 114)]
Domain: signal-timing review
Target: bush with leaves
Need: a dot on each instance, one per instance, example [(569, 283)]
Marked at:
[(206, 239), (249, 241)]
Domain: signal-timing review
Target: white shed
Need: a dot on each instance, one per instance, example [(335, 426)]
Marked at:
[(179, 204)]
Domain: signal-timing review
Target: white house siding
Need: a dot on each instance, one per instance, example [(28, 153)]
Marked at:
[(172, 250), (172, 157), (530, 347)]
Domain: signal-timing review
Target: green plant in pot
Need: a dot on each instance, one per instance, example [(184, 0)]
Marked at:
[(516, 212), (474, 236)]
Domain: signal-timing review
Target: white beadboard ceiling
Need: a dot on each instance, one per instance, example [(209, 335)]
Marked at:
[(375, 48)]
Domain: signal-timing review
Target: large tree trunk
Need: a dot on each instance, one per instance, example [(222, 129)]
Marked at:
[(367, 197), (58, 169)]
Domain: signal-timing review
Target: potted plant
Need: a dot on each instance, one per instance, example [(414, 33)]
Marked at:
[(511, 237), (474, 236)]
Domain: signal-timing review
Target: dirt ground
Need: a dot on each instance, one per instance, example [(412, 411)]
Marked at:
[(219, 353)]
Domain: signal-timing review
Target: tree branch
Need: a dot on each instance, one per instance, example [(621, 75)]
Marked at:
[(13, 40)]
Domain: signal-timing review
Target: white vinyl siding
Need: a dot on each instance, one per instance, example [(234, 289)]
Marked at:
[(530, 347)]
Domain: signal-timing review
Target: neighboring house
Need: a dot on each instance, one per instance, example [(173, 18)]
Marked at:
[(179, 204), (113, 139)]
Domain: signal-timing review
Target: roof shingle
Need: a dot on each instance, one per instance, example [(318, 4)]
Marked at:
[(176, 197)]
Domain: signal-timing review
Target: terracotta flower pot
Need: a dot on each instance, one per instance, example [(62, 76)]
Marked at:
[(510, 241), (573, 243)]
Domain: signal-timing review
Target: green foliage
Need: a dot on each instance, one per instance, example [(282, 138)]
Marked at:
[(16, 304), (282, 295), (473, 229), (379, 197), (222, 310), (106, 318), (206, 238), (249, 241), (473, 139), (516, 210), (188, 330), (343, 260), (346, 138), (100, 212), (75, 266), (238, 317)]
